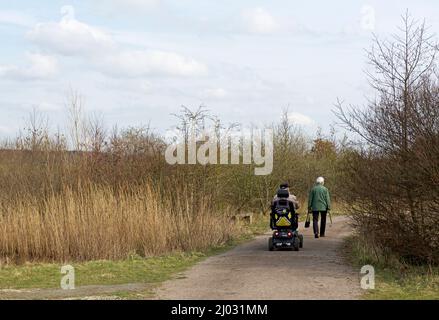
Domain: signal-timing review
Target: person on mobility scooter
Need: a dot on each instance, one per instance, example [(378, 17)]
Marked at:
[(291, 197), (284, 222)]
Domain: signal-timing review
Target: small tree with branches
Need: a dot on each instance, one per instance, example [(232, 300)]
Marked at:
[(389, 177)]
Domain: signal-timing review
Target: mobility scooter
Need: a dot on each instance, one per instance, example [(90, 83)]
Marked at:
[(284, 222)]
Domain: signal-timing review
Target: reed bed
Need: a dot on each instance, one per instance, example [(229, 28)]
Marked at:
[(97, 223)]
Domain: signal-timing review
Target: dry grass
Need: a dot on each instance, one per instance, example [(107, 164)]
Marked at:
[(96, 223)]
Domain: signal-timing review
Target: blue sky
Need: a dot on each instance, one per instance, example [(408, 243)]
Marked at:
[(136, 62)]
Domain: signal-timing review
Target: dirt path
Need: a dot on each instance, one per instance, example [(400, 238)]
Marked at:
[(250, 271)]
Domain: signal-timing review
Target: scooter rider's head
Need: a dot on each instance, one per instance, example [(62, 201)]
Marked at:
[(285, 186), (320, 180)]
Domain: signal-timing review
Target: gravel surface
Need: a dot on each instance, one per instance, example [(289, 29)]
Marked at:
[(250, 271)]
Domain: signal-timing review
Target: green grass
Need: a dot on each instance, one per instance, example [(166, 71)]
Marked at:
[(136, 269), (417, 283), (394, 280)]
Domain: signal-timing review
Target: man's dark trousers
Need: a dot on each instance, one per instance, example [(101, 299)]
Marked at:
[(315, 222)]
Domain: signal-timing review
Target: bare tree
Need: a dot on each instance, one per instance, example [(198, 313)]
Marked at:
[(386, 178), (36, 132), (78, 127), (96, 134)]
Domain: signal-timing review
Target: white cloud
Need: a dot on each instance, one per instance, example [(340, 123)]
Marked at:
[(99, 48), (15, 18), (70, 36), (135, 63), (40, 67), (217, 93), (258, 20), (7, 130), (136, 6), (49, 107), (300, 119), (310, 100)]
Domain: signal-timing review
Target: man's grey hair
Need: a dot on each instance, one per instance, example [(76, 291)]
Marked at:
[(320, 180)]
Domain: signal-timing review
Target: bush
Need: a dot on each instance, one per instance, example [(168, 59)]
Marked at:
[(391, 178)]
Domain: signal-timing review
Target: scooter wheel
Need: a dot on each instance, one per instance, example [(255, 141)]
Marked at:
[(300, 241), (270, 244), (296, 244)]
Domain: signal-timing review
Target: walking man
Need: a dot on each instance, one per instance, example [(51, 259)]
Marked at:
[(319, 202)]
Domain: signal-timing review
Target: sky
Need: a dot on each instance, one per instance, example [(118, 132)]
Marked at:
[(137, 62)]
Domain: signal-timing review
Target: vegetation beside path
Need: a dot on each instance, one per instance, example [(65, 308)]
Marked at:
[(394, 279)]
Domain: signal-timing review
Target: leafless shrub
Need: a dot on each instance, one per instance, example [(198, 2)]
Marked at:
[(391, 178)]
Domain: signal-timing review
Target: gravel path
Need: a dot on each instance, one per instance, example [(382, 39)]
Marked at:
[(250, 271)]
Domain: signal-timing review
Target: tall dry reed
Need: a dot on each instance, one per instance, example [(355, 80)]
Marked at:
[(96, 223)]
